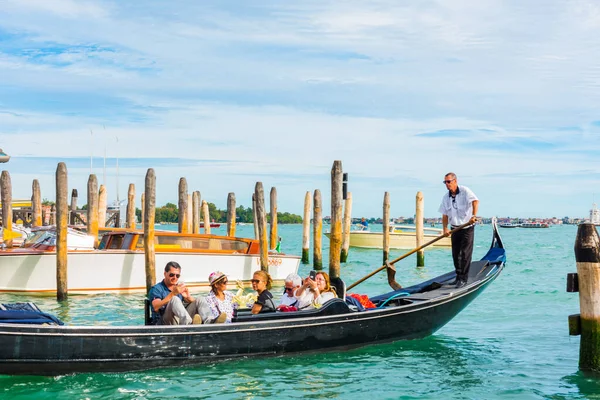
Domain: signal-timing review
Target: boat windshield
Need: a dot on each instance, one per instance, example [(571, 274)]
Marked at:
[(40, 237), (196, 243)]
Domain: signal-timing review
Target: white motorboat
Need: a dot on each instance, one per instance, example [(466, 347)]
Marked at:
[(118, 265), (401, 237)]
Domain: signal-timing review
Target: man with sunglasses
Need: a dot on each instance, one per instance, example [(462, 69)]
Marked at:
[(172, 303), (292, 283), (459, 206)]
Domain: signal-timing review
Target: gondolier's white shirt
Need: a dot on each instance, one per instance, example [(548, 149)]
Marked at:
[(460, 210)]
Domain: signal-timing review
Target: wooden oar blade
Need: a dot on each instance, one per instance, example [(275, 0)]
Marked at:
[(391, 275)]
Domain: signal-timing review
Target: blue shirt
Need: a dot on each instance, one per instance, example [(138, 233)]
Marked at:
[(159, 291)]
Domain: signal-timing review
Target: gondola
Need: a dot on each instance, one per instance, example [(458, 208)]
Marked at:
[(408, 313)]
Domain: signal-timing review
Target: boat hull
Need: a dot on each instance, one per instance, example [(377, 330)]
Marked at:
[(48, 350), (398, 240), (124, 271)]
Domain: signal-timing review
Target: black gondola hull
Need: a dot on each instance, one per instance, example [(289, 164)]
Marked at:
[(57, 350)]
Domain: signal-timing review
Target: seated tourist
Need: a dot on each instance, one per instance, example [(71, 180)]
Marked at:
[(220, 301), (172, 303), (314, 293), (292, 283), (261, 282)]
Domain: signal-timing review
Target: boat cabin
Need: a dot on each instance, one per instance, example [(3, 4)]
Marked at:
[(178, 242)]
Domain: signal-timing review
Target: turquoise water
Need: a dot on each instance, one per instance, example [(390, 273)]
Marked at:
[(512, 342)]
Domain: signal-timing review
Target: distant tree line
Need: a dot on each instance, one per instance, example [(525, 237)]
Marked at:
[(170, 213)]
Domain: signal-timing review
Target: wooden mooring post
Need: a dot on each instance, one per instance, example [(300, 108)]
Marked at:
[(273, 214), (183, 206), (130, 216), (262, 226), (36, 203), (149, 216), (102, 204), (306, 229), (587, 282), (335, 238), (347, 227), (206, 215), (196, 212), (7, 213), (317, 231), (92, 210), (419, 229), (231, 215), (62, 218), (255, 217), (386, 227), (73, 208)]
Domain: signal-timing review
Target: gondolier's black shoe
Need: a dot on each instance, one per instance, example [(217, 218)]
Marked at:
[(461, 283)]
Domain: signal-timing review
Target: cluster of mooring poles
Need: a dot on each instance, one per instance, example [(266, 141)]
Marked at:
[(587, 282), (191, 208)]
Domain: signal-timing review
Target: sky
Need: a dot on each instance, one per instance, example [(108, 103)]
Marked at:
[(506, 94)]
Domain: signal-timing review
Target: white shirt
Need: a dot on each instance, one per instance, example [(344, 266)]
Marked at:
[(460, 209), (287, 300), (308, 301)]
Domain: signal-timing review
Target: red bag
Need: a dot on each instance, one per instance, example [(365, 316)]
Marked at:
[(363, 299), (287, 308)]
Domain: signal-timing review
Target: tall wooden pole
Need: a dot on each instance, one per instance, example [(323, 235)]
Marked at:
[(62, 215), (102, 204), (196, 212), (53, 214), (7, 214), (73, 208), (92, 211), (206, 216), (262, 226), (36, 202), (183, 206), (347, 226), (231, 215), (587, 256), (335, 238), (306, 229), (273, 239), (190, 220), (130, 217), (386, 227), (419, 231), (143, 207), (255, 217), (317, 231), (149, 215)]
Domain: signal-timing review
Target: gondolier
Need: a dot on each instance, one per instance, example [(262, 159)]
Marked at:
[(459, 206)]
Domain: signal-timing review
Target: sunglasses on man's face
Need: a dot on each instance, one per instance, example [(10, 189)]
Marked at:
[(287, 289), (448, 181), (172, 275)]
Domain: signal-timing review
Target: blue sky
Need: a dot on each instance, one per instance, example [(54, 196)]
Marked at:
[(505, 94)]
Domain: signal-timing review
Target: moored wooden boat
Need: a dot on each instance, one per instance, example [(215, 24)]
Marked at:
[(409, 313), (120, 258)]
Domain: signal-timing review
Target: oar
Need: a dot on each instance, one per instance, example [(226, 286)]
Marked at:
[(389, 265)]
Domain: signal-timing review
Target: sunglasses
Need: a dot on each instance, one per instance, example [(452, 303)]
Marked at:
[(254, 280), (223, 282), (447, 182), (288, 289), (172, 275)]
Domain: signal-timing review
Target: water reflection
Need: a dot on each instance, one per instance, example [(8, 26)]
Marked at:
[(587, 383)]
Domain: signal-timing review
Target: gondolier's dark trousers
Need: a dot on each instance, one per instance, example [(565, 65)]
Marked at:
[(462, 251)]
